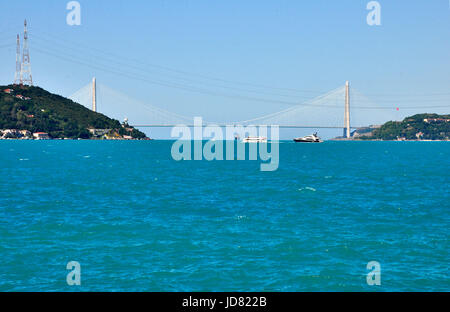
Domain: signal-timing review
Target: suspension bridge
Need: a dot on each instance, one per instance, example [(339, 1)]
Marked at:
[(341, 108)]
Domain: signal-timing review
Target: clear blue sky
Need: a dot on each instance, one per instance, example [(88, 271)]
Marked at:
[(311, 46)]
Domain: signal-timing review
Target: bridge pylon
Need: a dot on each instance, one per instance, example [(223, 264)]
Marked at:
[(94, 95), (347, 111)]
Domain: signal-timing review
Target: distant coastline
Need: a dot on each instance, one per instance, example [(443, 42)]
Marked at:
[(32, 113), (420, 127), (380, 140), (70, 139)]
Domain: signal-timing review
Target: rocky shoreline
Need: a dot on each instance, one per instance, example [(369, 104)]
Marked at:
[(16, 134)]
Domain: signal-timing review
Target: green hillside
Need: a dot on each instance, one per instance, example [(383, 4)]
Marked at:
[(417, 127), (42, 111)]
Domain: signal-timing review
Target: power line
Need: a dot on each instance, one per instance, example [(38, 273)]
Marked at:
[(407, 94), (191, 88), (165, 83), (182, 72), (190, 80), (90, 48), (213, 93)]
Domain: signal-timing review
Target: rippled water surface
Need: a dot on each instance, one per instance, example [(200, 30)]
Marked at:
[(137, 220)]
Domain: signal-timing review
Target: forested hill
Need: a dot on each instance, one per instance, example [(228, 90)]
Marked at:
[(37, 110), (417, 127)]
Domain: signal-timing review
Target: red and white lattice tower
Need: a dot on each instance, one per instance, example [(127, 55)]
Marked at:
[(25, 72), (17, 79)]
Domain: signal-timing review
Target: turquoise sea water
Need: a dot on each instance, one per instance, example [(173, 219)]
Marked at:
[(136, 220)]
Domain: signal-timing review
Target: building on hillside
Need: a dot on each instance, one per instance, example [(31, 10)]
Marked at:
[(430, 120), (41, 136), (98, 132), (26, 134), (419, 135), (10, 134)]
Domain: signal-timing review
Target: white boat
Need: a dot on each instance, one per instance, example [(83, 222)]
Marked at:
[(313, 138), (250, 139)]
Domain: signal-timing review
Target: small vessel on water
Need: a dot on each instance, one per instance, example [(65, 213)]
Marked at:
[(313, 138), (251, 139)]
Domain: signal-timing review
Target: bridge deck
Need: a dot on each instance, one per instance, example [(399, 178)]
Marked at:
[(231, 125)]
